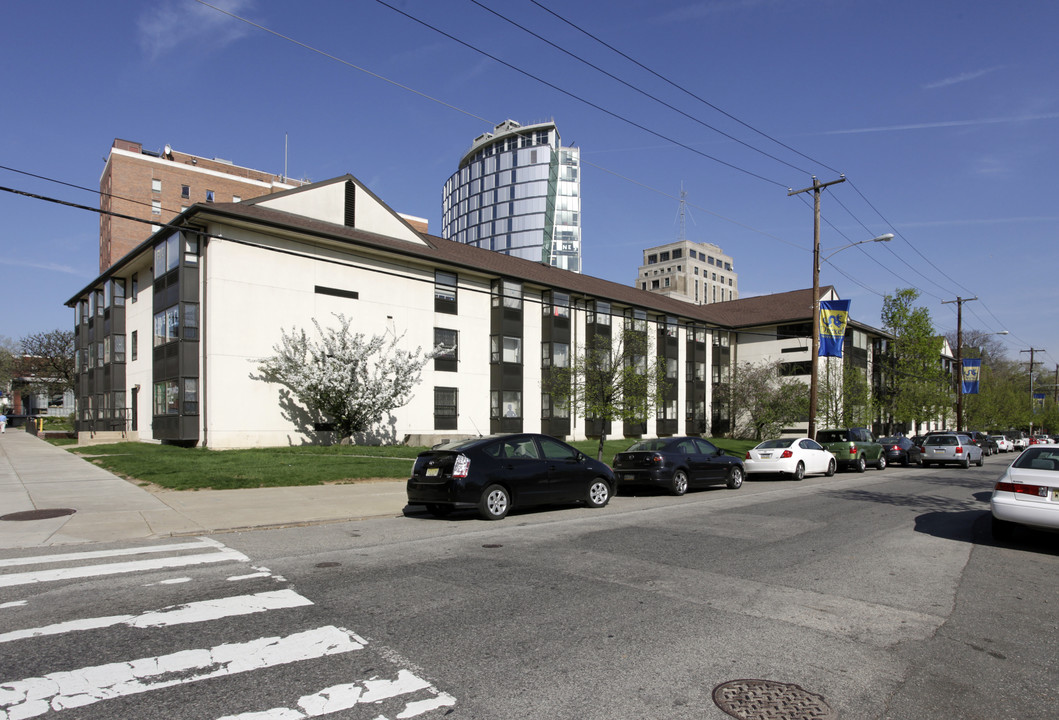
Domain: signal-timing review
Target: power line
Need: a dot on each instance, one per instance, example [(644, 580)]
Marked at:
[(578, 98), (636, 89), (661, 77)]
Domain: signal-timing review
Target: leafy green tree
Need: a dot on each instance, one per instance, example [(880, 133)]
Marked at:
[(48, 360), (349, 378), (845, 396), (763, 401), (919, 390), (610, 379)]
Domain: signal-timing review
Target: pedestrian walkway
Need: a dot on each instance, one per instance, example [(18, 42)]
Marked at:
[(38, 476)]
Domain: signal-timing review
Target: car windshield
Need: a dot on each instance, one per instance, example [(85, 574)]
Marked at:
[(1038, 459), (942, 440), (827, 436), (780, 443), (649, 445), (890, 441)]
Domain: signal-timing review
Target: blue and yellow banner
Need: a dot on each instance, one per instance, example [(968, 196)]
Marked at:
[(1038, 400), (834, 315), (972, 369)]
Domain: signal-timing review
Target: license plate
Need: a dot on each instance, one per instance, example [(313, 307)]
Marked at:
[(939, 451), (627, 476), (766, 456), (431, 472)]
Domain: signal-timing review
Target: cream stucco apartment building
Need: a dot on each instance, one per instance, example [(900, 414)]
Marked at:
[(169, 337)]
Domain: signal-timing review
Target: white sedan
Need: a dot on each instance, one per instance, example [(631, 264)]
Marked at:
[(1028, 492), (1002, 443), (794, 457)]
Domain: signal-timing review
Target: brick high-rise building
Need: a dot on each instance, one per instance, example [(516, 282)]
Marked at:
[(156, 186)]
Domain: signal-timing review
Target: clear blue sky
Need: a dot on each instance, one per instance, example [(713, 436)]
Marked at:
[(943, 115)]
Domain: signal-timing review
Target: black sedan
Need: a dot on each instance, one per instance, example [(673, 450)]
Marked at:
[(676, 464), (901, 450), (499, 472)]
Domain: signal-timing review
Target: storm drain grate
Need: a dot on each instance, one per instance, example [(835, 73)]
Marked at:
[(39, 514), (768, 700)]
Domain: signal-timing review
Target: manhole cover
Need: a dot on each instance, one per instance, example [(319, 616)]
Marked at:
[(767, 700), (38, 514)]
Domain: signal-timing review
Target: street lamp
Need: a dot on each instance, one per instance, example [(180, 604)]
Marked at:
[(814, 372)]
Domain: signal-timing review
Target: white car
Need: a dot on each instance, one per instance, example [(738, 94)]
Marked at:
[(1020, 443), (1002, 443), (794, 457), (1028, 492)]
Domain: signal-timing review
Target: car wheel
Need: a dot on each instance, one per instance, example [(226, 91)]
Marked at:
[(735, 478), (919, 461), (966, 463), (495, 503), (799, 471), (881, 465), (831, 466), (599, 493), (1002, 530), (679, 485), (904, 461), (861, 465), (979, 461), (439, 510)]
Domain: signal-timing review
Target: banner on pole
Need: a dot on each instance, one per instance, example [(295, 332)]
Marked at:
[(1038, 400), (834, 315), (972, 368)]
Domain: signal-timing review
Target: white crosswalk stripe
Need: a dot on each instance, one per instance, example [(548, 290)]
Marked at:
[(383, 695)]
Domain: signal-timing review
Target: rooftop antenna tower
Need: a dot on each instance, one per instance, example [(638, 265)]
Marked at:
[(682, 232)]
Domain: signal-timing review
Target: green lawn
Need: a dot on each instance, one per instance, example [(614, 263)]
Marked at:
[(194, 468)]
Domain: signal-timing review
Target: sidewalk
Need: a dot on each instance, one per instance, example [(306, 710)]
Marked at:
[(38, 476)]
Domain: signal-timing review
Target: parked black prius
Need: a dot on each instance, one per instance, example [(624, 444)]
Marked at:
[(499, 472), (676, 464)]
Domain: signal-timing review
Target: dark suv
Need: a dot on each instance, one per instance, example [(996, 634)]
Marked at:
[(854, 448), (986, 443)]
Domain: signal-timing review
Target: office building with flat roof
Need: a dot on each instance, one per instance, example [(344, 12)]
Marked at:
[(518, 192), (695, 272)]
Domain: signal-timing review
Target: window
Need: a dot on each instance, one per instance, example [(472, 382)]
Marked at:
[(666, 282), (191, 396), (191, 321), (156, 185), (446, 403), (652, 259), (117, 291), (166, 397), (191, 249), (555, 355), (236, 198), (509, 292), (663, 256), (506, 404), (135, 343), (156, 207), (106, 350), (677, 254), (636, 320), (135, 286), (166, 325), (599, 313), (709, 260), (119, 349), (166, 255), (185, 191), (209, 196), (512, 350), (448, 354), (655, 285), (445, 292), (556, 304)]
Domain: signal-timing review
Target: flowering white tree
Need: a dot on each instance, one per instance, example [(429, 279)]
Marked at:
[(349, 378)]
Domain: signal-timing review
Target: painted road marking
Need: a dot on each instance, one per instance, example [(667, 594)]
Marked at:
[(343, 697), (72, 573), (97, 554), (201, 611), (56, 691)]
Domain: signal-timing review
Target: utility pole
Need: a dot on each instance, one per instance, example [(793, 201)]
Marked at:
[(1033, 407), (814, 374), (959, 357)]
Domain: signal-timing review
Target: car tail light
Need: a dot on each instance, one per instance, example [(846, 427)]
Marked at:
[(853, 449), (657, 459), (787, 454), (461, 467), (1039, 490), (895, 448), (747, 455), (959, 449)]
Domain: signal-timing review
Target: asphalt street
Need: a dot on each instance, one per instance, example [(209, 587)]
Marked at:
[(875, 595)]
